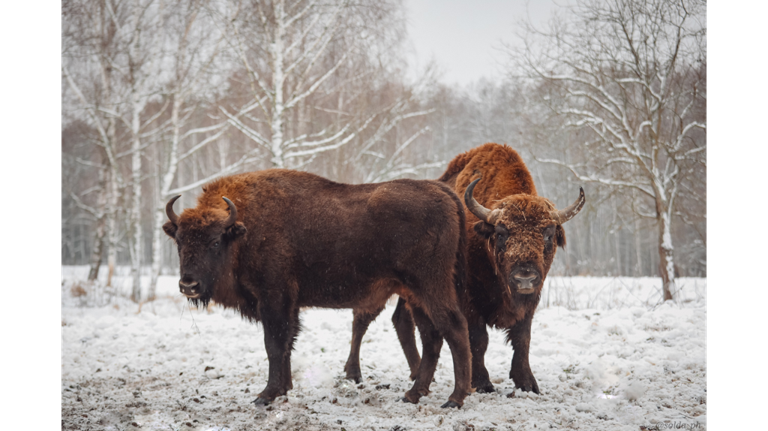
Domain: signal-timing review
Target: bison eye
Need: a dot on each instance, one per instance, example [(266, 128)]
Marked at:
[(548, 234), (502, 231), (215, 244)]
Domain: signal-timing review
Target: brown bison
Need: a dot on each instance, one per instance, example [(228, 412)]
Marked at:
[(512, 236), (267, 243)]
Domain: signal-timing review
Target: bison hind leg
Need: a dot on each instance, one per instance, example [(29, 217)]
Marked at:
[(478, 342), (431, 342), (404, 327), (451, 324), (362, 319)]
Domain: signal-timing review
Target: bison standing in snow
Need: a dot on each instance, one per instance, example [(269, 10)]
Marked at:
[(267, 243), (512, 236)]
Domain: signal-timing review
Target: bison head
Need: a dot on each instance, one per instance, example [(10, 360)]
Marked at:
[(522, 232), (205, 238)]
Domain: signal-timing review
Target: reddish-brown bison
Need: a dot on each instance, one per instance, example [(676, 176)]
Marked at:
[(267, 243), (512, 236)]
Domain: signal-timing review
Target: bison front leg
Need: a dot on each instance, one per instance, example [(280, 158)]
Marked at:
[(520, 337), (403, 322), (478, 343), (279, 333), (359, 326)]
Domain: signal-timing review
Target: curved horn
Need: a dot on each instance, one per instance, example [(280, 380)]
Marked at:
[(566, 214), (232, 213), (169, 210), (478, 210)]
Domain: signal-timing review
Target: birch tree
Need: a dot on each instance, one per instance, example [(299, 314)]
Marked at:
[(389, 150), (116, 38), (142, 73), (627, 79), (92, 48), (297, 56), (195, 45)]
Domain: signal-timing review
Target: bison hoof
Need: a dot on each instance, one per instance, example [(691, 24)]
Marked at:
[(353, 373), (413, 396), (529, 387), (356, 377), (484, 388), (451, 404), (526, 383), (261, 401)]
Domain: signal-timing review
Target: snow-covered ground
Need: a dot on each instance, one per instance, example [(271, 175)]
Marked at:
[(613, 359)]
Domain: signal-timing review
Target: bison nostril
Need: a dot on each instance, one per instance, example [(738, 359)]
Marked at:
[(525, 280), (188, 287)]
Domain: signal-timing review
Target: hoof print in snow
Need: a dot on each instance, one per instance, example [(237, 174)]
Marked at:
[(380, 387)]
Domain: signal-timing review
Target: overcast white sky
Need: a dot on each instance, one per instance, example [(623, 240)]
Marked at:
[(463, 36)]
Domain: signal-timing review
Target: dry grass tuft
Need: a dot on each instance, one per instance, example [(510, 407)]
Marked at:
[(78, 291)]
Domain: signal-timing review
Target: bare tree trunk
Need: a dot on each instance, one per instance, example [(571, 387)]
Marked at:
[(157, 252), (638, 244), (98, 241), (165, 186), (136, 201), (98, 247), (112, 223), (278, 79), (666, 257)]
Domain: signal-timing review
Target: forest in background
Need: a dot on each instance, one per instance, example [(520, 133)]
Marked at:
[(159, 97)]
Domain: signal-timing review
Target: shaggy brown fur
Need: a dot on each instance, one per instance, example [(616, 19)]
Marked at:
[(300, 240), (520, 243)]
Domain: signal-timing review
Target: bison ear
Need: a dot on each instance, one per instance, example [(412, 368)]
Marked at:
[(484, 229), (170, 229), (560, 236), (236, 230)]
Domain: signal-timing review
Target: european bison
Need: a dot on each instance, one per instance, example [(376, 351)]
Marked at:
[(512, 234), (267, 243)]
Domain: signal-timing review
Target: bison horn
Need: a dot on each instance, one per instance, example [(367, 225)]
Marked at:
[(566, 214), (478, 210), (169, 210), (232, 213)]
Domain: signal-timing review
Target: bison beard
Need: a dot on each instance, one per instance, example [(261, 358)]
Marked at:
[(267, 243), (511, 245)]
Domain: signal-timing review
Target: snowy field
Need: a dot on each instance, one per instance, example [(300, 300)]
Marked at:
[(605, 353)]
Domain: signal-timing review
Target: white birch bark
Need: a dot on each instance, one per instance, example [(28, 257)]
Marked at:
[(190, 71), (136, 248)]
